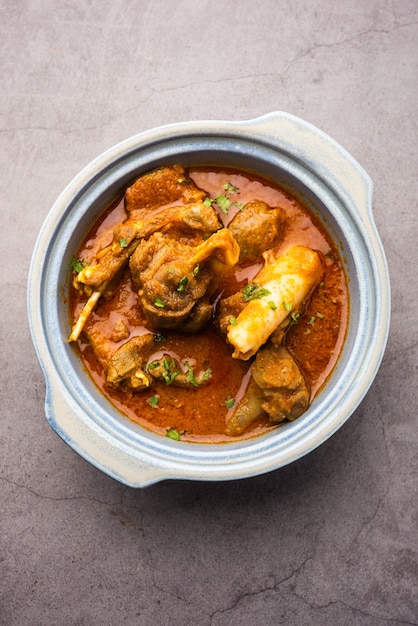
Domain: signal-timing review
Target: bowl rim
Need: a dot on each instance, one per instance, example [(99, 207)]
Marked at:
[(130, 453)]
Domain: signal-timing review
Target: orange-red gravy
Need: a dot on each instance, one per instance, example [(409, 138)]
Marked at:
[(315, 341)]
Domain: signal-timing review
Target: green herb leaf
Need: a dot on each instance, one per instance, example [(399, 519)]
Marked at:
[(170, 377), (233, 321), (122, 242), (312, 320), (153, 401), (190, 375), (196, 270), (170, 374), (294, 318), (287, 306), (173, 434), (208, 201), (252, 291), (159, 303), (206, 375), (272, 305), (182, 284), (239, 205), (223, 202), (230, 188), (77, 265), (320, 315), (229, 402)]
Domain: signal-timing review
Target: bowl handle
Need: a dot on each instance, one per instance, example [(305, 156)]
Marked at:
[(321, 154), (91, 442)]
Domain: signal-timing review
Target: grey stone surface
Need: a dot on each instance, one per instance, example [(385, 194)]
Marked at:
[(331, 539)]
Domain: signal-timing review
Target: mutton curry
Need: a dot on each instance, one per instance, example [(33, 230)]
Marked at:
[(208, 304)]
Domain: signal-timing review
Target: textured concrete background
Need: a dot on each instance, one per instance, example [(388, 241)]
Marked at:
[(331, 539)]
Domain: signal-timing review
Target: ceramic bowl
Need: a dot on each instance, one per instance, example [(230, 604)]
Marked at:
[(283, 148)]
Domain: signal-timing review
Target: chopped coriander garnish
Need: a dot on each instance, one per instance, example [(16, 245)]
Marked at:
[(272, 305), (182, 284), (223, 202), (239, 205), (320, 315), (206, 375), (312, 320), (170, 372), (170, 377), (252, 291), (230, 188), (196, 270), (191, 379), (190, 376), (287, 306), (122, 242), (173, 434), (229, 402), (294, 318), (222, 199), (158, 302), (153, 401), (171, 270), (233, 321), (77, 265)]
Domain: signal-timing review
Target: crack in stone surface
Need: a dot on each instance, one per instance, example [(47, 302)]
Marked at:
[(348, 40), (153, 92), (261, 591), (57, 499), (385, 620)]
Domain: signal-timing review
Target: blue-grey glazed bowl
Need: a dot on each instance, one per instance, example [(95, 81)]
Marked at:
[(279, 146)]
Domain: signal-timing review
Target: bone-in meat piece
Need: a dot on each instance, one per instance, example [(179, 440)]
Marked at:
[(277, 387), (173, 279), (285, 283)]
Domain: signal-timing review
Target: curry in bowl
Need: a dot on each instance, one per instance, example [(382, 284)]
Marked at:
[(208, 304)]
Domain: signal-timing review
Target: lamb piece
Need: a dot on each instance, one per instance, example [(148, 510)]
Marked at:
[(183, 209), (136, 366), (124, 365), (280, 289), (194, 217), (256, 228), (127, 366), (276, 388), (126, 237), (174, 279), (162, 186), (286, 394), (228, 310), (173, 371)]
